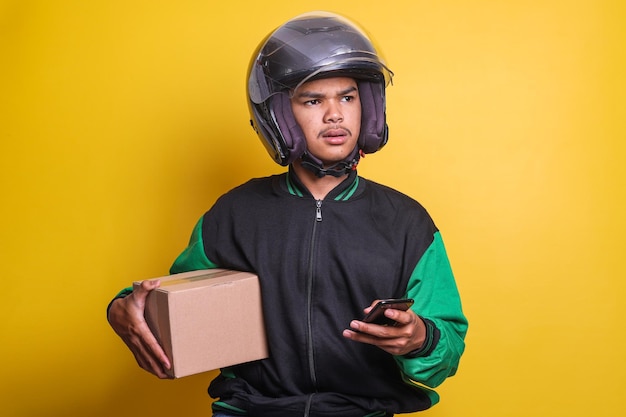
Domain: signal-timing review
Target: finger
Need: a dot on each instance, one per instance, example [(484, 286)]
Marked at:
[(386, 344), (401, 317), (390, 344), (158, 353), (371, 306), (366, 332), (151, 365), (154, 366), (148, 343), (148, 353)]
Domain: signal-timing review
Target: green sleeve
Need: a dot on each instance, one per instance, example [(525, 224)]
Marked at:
[(437, 300), (193, 258)]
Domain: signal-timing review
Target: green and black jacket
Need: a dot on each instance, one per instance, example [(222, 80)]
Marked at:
[(320, 262)]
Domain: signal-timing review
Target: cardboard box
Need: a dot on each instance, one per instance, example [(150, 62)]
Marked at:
[(207, 319)]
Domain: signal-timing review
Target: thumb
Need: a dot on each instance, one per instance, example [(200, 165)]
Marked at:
[(141, 292), (150, 284), (371, 306)]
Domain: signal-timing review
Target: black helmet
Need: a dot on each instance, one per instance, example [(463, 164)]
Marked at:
[(307, 47)]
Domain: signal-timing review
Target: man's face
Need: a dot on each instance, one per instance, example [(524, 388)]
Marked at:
[(329, 113)]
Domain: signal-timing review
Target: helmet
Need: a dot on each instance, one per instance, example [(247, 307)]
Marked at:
[(305, 48)]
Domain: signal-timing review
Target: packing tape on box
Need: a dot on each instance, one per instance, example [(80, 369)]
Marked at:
[(195, 278)]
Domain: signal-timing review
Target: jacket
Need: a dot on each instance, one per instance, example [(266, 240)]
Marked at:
[(320, 262)]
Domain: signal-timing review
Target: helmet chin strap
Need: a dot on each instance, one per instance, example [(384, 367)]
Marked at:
[(340, 169)]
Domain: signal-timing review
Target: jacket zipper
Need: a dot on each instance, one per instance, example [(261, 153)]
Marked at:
[(318, 210), (310, 353), (307, 408)]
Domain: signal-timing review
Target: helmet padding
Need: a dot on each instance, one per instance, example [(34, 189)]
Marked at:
[(374, 130), (292, 135)]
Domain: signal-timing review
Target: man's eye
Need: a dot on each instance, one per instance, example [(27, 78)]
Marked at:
[(348, 98), (312, 102)]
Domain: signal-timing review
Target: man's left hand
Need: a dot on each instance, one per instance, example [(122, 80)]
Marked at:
[(407, 335)]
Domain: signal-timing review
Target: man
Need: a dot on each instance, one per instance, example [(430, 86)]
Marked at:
[(325, 243)]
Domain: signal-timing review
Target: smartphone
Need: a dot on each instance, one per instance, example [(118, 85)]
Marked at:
[(377, 314)]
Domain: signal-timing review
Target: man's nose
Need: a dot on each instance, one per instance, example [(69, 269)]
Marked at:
[(333, 113)]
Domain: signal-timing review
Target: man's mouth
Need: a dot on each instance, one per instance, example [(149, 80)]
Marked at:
[(335, 133)]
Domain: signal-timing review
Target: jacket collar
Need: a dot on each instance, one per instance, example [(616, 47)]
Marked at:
[(342, 192)]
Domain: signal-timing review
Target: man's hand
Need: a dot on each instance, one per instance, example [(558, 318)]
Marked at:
[(126, 317), (407, 335)]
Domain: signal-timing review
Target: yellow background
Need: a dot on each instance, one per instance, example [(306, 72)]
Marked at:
[(122, 121)]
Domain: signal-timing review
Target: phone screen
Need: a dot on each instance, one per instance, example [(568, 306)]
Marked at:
[(377, 316)]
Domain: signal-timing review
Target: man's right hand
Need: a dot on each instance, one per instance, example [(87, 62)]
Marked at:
[(126, 317)]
